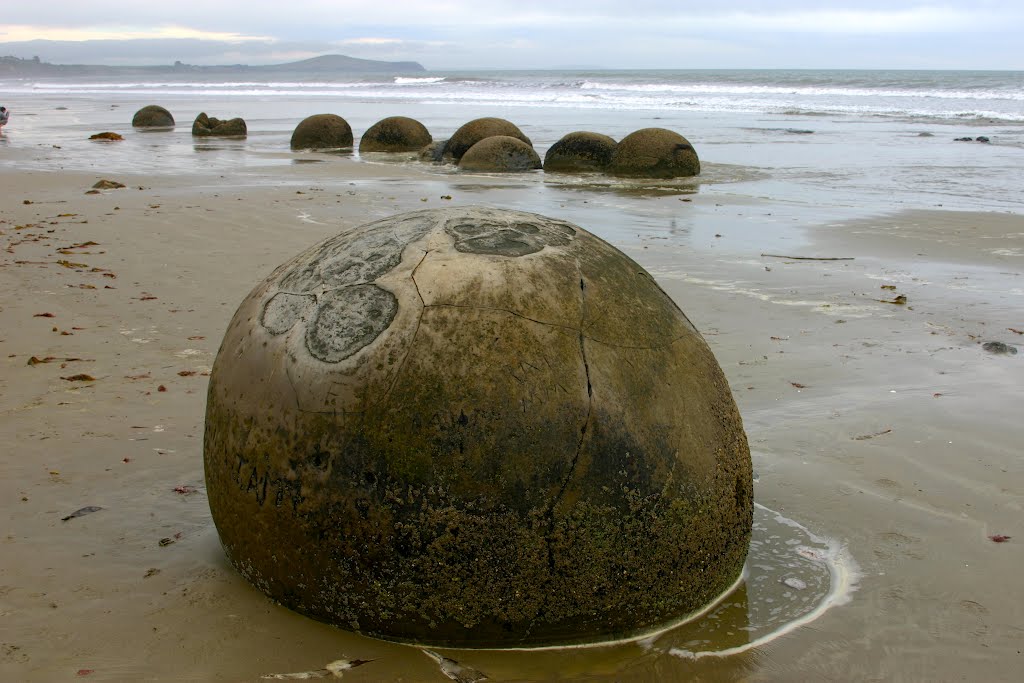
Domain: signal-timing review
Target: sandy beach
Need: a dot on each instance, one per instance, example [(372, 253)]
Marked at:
[(873, 419)]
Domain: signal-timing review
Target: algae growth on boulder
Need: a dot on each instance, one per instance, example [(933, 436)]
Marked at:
[(475, 427), (322, 131), (208, 126), (654, 153), (580, 152), (395, 134), (500, 154), (476, 130), (153, 116)]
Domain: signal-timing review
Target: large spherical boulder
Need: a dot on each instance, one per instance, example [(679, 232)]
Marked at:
[(395, 134), (153, 116), (654, 153), (580, 152), (500, 154), (207, 126), (478, 129), (475, 427), (322, 131)]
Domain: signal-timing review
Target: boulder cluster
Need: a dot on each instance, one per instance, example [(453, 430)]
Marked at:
[(497, 145), (489, 144), (206, 126)]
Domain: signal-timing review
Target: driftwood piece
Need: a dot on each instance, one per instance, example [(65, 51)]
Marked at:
[(810, 258)]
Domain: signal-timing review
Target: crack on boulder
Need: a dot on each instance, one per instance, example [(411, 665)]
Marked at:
[(637, 347), (495, 309), (653, 347), (415, 332), (412, 276), (590, 410), (295, 392), (550, 512)]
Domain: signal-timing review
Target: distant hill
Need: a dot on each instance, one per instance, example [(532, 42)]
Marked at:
[(325, 64), (341, 63)]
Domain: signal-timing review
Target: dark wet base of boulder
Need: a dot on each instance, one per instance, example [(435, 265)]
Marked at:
[(464, 606)]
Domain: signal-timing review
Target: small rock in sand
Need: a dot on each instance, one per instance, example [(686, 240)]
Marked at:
[(1000, 348)]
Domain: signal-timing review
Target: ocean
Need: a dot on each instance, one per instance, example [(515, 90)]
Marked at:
[(846, 137), (950, 96)]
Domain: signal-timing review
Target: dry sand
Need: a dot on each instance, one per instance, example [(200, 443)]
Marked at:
[(884, 425)]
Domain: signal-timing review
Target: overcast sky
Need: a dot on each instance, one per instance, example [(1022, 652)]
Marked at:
[(463, 34)]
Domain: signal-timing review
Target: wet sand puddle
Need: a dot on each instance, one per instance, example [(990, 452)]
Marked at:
[(792, 576)]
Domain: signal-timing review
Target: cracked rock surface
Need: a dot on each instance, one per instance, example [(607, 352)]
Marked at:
[(475, 427)]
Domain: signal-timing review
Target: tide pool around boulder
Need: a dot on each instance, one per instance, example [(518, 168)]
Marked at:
[(475, 427)]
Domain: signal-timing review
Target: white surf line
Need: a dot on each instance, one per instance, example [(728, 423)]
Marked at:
[(844, 574), (926, 509), (736, 287)]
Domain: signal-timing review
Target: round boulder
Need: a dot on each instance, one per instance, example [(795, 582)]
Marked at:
[(475, 427), (207, 126), (500, 154), (322, 131), (395, 134), (580, 152), (654, 153), (478, 129), (153, 116)]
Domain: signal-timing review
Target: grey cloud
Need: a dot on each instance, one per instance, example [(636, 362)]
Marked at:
[(538, 34), (142, 52)]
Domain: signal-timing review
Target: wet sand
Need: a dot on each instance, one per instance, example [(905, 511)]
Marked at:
[(884, 425)]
